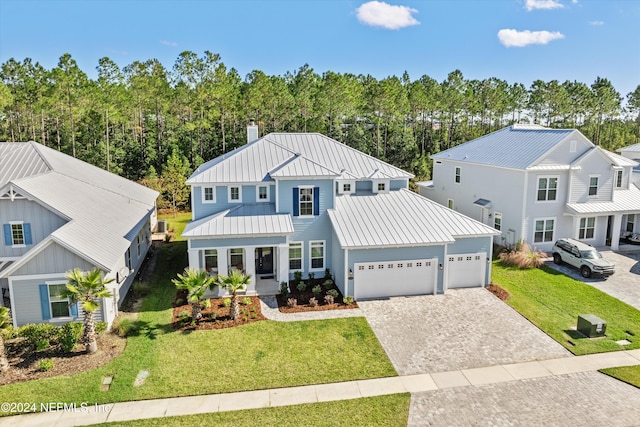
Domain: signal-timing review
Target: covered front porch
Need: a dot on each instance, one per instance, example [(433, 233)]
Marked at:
[(601, 227)]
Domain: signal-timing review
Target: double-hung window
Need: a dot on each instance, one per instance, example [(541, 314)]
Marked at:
[(457, 175), (211, 260), (263, 193), (316, 254), (547, 188), (587, 228), (236, 258), (544, 230), (17, 234), (235, 194), (295, 256), (306, 201), (593, 186), (59, 306)]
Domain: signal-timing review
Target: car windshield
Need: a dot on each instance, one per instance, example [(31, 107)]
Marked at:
[(591, 254)]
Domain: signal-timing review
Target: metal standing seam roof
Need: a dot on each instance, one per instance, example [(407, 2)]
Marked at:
[(635, 148), (514, 147), (624, 201), (244, 220), (19, 160), (104, 211), (307, 155), (620, 160), (399, 218)]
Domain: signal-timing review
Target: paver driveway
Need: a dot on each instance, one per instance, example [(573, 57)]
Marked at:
[(465, 328), (624, 284)]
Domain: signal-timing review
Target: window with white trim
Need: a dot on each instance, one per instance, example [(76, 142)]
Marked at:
[(263, 193), (497, 221), (211, 260), (382, 186), (235, 194), (208, 195), (295, 256), (59, 305), (593, 186), (236, 258), (457, 175), (618, 179), (630, 222), (17, 233), (346, 188), (316, 255), (450, 203), (587, 228), (543, 230), (547, 188), (306, 201)]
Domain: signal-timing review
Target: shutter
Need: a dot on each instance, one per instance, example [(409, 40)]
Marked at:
[(7, 234), (316, 201), (296, 201), (73, 310), (44, 302), (26, 228)]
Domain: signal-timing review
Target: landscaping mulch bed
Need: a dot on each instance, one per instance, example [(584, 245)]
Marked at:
[(216, 316), (24, 363), (303, 297), (498, 291)]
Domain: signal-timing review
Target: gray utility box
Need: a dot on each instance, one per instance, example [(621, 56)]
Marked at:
[(591, 326)]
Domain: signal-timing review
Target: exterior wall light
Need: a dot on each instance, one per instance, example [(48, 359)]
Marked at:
[(350, 274), (440, 266)]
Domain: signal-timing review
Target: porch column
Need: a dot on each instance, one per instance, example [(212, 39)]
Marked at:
[(194, 259), (283, 263), (223, 256), (250, 267), (615, 232)]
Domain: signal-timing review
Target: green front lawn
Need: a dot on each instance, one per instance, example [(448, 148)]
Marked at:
[(553, 301), (392, 410), (256, 356)]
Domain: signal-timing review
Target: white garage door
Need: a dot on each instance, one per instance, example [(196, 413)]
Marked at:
[(466, 270), (394, 278)]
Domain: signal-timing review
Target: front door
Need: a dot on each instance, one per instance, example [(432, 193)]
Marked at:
[(264, 260)]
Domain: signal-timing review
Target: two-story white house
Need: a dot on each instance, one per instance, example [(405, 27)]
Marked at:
[(304, 202), (59, 213), (538, 184)]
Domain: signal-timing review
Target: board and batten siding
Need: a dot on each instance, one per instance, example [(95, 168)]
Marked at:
[(42, 223), (27, 305)]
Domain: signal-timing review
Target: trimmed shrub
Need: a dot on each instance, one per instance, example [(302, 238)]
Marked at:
[(302, 287), (313, 302), (284, 289), (45, 365), (246, 301), (347, 300), (226, 302), (297, 277), (333, 292), (69, 334), (328, 284), (38, 336), (101, 327), (316, 290), (327, 275), (206, 303), (312, 276), (292, 302), (328, 299)]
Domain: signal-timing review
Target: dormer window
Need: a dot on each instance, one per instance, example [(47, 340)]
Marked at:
[(208, 194), (618, 179), (346, 188), (235, 194), (381, 186)]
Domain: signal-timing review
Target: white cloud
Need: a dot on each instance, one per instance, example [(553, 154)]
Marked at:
[(596, 23), (515, 38), (543, 4), (381, 14), (168, 43)]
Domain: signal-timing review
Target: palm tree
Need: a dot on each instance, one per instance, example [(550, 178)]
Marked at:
[(5, 322), (196, 282), (87, 289), (234, 282)]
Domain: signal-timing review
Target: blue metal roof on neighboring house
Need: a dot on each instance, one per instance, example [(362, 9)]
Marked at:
[(514, 147)]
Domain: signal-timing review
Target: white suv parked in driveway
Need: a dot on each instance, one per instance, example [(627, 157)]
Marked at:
[(582, 256)]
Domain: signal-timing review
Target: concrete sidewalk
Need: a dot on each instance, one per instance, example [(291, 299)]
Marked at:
[(324, 392)]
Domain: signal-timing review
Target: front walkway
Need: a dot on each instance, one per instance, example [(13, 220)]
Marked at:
[(563, 391)]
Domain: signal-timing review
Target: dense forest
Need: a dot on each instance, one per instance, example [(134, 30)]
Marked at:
[(148, 123)]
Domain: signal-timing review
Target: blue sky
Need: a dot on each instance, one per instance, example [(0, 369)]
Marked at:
[(515, 40)]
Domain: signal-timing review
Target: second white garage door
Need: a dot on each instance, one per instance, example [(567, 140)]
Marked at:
[(394, 278), (466, 270)]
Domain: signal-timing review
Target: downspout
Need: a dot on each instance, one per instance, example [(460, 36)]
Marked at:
[(346, 272), (524, 206)]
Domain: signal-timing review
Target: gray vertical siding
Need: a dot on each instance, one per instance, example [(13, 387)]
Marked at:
[(43, 222), (54, 258)]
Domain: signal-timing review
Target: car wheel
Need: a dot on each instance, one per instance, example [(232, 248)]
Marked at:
[(585, 271), (557, 259)]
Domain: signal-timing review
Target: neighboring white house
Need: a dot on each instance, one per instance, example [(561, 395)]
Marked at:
[(539, 184), (304, 202), (59, 213), (633, 152)]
